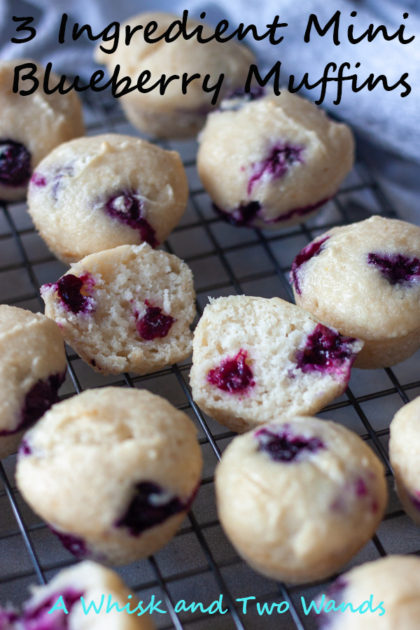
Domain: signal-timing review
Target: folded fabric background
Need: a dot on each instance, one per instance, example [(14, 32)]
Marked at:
[(388, 123)]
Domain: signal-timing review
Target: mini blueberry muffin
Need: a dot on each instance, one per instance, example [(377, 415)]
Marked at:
[(99, 192), (125, 309), (32, 368), (70, 595), (364, 279), (298, 499), (112, 471), (404, 451), (385, 595), (272, 161), (30, 127), (174, 113), (272, 358)]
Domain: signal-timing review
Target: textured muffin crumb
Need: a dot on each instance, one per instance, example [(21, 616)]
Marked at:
[(254, 358), (134, 309)]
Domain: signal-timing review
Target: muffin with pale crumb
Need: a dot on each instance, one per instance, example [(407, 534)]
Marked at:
[(255, 358), (125, 309)]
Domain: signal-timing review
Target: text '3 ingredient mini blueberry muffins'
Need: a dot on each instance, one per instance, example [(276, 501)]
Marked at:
[(174, 113)]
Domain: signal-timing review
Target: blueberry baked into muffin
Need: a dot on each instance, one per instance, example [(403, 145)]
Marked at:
[(125, 309), (271, 161), (30, 127), (272, 358), (66, 602), (99, 192), (364, 279), (32, 369), (112, 471), (299, 498), (174, 113)]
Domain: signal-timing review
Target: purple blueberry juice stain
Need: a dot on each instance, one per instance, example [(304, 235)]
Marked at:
[(151, 505), (15, 163), (415, 499), (354, 488), (39, 617), (360, 487), (38, 180), (37, 401), (237, 98), (248, 214), (362, 491), (233, 375), (24, 448), (7, 617), (302, 211), (74, 544), (396, 268), (242, 216), (75, 292), (276, 164), (284, 446), (326, 351), (336, 593), (57, 180), (308, 252), (154, 323), (128, 207), (40, 398)]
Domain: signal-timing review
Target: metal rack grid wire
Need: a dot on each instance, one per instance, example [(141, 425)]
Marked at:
[(199, 564)]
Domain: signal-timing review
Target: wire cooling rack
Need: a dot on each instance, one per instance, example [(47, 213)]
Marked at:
[(199, 564)]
